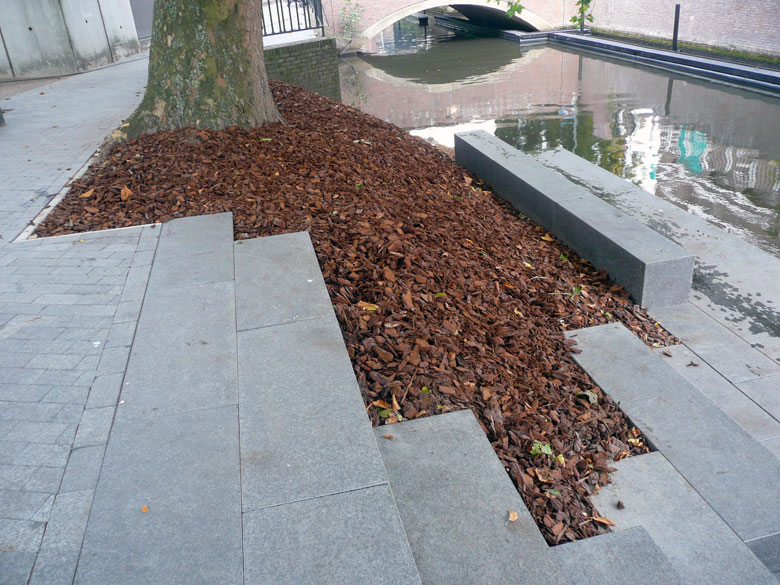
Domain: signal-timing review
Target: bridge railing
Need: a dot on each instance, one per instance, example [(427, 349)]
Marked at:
[(286, 16)]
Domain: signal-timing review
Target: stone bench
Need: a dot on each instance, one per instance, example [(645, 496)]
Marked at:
[(652, 268)]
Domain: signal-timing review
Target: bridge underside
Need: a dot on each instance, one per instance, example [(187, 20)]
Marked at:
[(492, 17), (490, 13)]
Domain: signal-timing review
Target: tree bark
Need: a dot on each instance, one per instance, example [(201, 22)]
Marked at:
[(206, 68)]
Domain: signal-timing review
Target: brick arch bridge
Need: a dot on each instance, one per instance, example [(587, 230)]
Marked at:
[(376, 15)]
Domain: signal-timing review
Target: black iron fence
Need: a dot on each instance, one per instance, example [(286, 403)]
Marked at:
[(285, 16)]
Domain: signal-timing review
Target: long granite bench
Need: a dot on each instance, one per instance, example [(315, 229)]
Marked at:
[(652, 268)]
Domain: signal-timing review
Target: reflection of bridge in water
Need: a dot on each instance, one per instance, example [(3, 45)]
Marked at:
[(376, 15)]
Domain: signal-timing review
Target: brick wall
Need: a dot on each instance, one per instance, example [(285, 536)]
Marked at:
[(310, 64), (744, 25)]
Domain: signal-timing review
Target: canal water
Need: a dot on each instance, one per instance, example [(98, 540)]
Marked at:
[(710, 148)]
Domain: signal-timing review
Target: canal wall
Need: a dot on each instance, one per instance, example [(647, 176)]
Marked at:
[(56, 37), (312, 64), (750, 26)]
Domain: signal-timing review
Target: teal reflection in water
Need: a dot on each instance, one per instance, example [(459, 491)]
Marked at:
[(692, 145)]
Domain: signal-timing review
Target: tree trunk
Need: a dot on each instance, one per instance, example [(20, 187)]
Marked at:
[(206, 68)]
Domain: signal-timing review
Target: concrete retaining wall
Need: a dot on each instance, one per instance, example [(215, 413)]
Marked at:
[(652, 268), (311, 64), (56, 37)]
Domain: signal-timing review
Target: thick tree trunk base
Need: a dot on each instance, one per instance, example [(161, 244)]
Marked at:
[(206, 69)]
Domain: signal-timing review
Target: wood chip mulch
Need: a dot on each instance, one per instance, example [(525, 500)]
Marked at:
[(447, 298)]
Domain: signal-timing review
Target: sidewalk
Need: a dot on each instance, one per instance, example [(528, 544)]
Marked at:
[(68, 308)]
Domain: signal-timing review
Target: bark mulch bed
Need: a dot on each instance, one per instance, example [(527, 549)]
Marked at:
[(447, 298)]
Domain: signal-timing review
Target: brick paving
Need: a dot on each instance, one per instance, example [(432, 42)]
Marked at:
[(68, 310)]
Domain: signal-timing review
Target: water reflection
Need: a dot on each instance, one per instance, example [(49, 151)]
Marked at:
[(712, 149)]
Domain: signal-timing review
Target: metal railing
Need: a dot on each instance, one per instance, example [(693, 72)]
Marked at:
[(286, 16)]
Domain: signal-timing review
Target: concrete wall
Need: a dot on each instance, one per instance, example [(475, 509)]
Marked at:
[(142, 11), (55, 37), (311, 64), (744, 25)]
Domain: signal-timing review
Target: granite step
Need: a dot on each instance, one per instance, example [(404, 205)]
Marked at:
[(167, 507), (700, 546), (735, 474), (454, 496), (317, 506), (241, 451)]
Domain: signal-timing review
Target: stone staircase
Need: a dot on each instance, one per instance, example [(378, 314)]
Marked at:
[(703, 508), (241, 453)]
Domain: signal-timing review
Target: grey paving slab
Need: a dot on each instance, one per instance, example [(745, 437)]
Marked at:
[(675, 416), (729, 354), (768, 550), (765, 392), (348, 538), (15, 566), (30, 411), (59, 554), (64, 394), (302, 416), (700, 546), (121, 334), (105, 390), (20, 376), (194, 250), (21, 505), (185, 468), (616, 558), (68, 520), (55, 361), (15, 477), (54, 565), (452, 492), (113, 360), (35, 432), (753, 418), (773, 445), (71, 377), (10, 450), (20, 535), (135, 284), (45, 479), (127, 311), (20, 392), (94, 427), (14, 360), (83, 469), (43, 455), (184, 355), (67, 435), (266, 282)]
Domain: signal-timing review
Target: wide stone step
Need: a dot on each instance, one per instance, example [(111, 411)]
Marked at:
[(167, 507), (317, 506), (241, 451), (699, 545), (454, 497), (735, 474)]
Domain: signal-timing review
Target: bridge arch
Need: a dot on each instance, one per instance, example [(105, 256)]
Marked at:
[(374, 24)]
